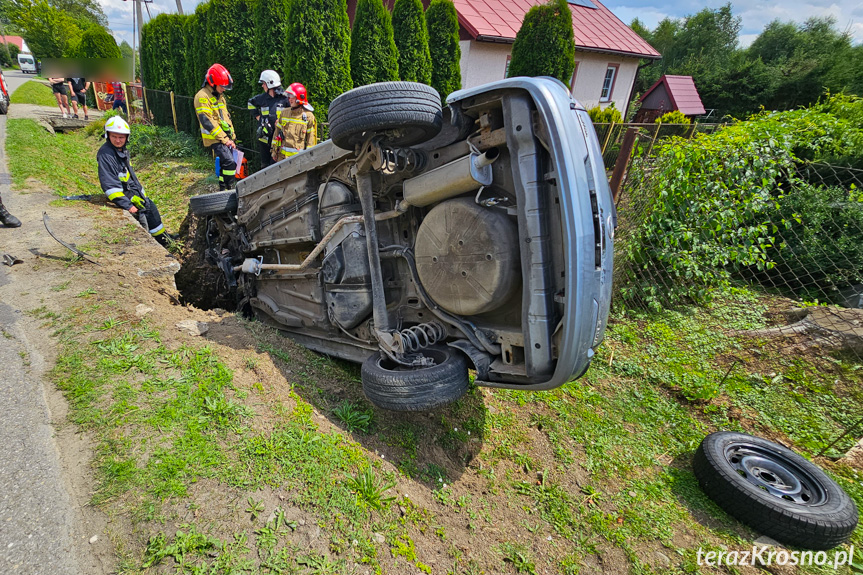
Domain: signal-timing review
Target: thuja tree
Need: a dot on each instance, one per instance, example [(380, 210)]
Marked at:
[(155, 46), (271, 22), (412, 42), (197, 56), (230, 42), (317, 50), (545, 43), (442, 25), (374, 57)]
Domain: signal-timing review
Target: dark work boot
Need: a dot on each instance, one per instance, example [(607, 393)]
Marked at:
[(8, 219), (229, 182)]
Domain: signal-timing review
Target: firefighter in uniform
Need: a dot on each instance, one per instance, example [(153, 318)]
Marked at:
[(217, 130), (120, 183), (265, 107), (296, 127)]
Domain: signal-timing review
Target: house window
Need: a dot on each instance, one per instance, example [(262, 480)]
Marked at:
[(506, 68), (608, 83)]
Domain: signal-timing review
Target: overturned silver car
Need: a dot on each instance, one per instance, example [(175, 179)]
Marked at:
[(422, 242)]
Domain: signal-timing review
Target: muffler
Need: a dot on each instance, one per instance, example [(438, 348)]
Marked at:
[(454, 179)]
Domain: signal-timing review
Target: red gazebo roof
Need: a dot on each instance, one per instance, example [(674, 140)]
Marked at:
[(681, 92)]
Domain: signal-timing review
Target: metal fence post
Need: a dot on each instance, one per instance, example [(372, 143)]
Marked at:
[(607, 137)]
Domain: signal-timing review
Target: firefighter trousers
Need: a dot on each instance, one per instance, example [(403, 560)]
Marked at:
[(149, 217), (227, 165), (264, 150)]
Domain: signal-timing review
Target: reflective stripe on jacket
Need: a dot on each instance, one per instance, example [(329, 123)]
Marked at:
[(213, 117)]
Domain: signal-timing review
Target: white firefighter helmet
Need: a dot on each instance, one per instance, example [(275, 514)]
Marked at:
[(117, 125), (271, 79)]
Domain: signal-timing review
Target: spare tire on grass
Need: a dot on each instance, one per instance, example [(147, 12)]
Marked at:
[(773, 490)]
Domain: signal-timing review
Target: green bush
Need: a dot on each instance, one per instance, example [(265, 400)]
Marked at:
[(673, 117), (317, 50), (744, 201), (162, 142), (607, 115), (96, 42), (230, 42), (545, 43), (374, 57), (155, 52), (443, 26), (192, 76), (412, 41), (10, 59)]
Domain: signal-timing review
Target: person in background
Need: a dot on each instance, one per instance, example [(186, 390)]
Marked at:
[(217, 130), (79, 87), (119, 98), (296, 127), (121, 185), (58, 86), (265, 108)]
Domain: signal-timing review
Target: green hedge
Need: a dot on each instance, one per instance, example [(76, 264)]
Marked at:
[(412, 41), (374, 57), (442, 24), (317, 50), (271, 25)]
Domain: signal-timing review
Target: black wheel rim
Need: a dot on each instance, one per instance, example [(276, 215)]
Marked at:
[(775, 474)]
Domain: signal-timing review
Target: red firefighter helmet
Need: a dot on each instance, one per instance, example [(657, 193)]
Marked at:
[(299, 91), (218, 75)]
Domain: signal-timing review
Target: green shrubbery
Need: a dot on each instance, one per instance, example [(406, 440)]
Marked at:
[(162, 142), (7, 60), (605, 115), (545, 44), (374, 57), (674, 117), (412, 41), (442, 23), (747, 201)]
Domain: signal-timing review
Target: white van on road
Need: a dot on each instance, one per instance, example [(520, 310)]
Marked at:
[(27, 63)]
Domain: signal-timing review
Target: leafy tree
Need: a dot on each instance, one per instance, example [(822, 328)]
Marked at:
[(374, 57), (317, 50), (442, 24), (83, 11), (711, 34), (271, 22), (545, 44), (49, 32), (125, 50), (97, 43), (412, 41)]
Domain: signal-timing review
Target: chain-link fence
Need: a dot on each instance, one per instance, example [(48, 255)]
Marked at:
[(795, 244)]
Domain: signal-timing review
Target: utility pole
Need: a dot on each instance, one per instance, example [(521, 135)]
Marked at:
[(180, 7)]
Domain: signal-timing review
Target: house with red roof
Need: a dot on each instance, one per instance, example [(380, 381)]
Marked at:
[(668, 94), (17, 40), (607, 50)]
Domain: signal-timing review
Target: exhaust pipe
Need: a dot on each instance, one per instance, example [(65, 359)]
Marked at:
[(459, 177)]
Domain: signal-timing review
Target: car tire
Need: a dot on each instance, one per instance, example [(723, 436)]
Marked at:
[(4, 107), (774, 490), (406, 113), (214, 203), (390, 386)]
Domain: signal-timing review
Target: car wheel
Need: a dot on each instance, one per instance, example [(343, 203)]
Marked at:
[(391, 386), (774, 490), (4, 107), (215, 203), (406, 113)]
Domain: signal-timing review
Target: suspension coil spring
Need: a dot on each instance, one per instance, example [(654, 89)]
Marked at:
[(401, 159), (421, 336)]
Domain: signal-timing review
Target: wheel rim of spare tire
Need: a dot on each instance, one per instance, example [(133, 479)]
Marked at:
[(775, 474)]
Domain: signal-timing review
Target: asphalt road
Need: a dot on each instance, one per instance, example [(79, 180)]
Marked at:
[(37, 514), (15, 78)]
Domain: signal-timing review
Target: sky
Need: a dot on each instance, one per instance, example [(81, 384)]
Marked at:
[(755, 14)]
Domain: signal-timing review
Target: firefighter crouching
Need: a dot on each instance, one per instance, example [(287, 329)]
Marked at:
[(217, 130), (120, 183), (296, 127), (265, 108)]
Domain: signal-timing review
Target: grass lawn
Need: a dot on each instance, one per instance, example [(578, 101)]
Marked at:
[(244, 453), (34, 93)]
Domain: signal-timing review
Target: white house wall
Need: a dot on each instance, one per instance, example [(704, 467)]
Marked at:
[(484, 62)]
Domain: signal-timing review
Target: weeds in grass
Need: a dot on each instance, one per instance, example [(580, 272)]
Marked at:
[(255, 508), (519, 556), (354, 417), (370, 490), (86, 293)]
